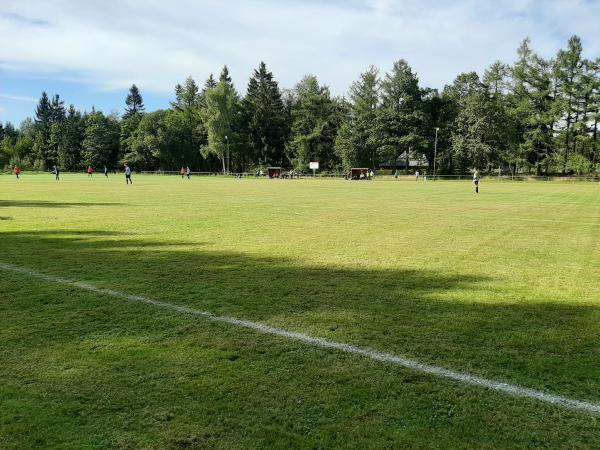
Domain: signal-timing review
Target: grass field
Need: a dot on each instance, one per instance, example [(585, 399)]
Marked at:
[(503, 285)]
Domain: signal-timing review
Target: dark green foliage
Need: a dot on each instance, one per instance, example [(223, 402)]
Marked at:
[(315, 117), (220, 118), (358, 143), (70, 143), (134, 102), (536, 116), (265, 118), (400, 121), (100, 144), (532, 106), (185, 127)]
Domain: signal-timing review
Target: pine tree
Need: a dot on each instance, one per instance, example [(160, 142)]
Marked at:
[(148, 146), (208, 84), (594, 112), (100, 144), (187, 97), (266, 119), (43, 124), (399, 122), (57, 118), (532, 105), (186, 121), (478, 129), (57, 107), (69, 148), (316, 117), (43, 111), (225, 78), (134, 102), (569, 68), (357, 146)]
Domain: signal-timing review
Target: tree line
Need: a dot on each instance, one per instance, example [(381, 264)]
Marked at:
[(536, 116)]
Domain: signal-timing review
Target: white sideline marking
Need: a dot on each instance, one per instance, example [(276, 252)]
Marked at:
[(465, 378)]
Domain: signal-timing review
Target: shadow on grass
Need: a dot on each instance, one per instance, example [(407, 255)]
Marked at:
[(126, 379), (433, 316), (48, 204)]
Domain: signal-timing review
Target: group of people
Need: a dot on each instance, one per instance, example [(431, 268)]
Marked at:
[(363, 175), (185, 172), (476, 178), (90, 172)]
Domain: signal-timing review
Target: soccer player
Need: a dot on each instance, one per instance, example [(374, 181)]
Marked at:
[(182, 172), (56, 172), (417, 175), (188, 172), (128, 175), (17, 170), (90, 171), (105, 172), (476, 181)]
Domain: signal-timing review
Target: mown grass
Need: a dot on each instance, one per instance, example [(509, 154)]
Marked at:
[(501, 285)]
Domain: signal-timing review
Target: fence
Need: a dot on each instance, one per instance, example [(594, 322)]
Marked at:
[(424, 178), (378, 177)]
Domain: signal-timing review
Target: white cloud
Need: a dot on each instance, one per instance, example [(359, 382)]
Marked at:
[(18, 98), (157, 44)]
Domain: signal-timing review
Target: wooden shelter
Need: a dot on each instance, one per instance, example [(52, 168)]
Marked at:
[(274, 172), (356, 172)]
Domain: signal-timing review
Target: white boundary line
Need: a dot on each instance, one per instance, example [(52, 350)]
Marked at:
[(465, 378)]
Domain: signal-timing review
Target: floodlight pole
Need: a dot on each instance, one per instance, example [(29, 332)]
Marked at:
[(435, 150), (228, 161)]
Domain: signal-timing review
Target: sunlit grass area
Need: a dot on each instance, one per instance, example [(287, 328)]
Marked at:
[(502, 285)]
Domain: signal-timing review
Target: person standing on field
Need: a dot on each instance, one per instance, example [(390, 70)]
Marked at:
[(476, 181), (105, 172), (17, 170), (128, 175), (188, 172), (182, 172), (56, 172), (417, 175)]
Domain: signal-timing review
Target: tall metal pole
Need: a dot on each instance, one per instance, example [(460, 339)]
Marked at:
[(435, 151), (228, 161)]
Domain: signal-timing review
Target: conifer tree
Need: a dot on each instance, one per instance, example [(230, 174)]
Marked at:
[(265, 117), (316, 117), (133, 103), (357, 146)]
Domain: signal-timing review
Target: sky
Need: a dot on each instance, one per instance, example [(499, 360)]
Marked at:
[(91, 51)]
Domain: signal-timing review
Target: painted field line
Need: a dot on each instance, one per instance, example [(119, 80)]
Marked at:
[(465, 378)]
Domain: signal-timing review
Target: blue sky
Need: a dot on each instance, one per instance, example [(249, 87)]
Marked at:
[(90, 52)]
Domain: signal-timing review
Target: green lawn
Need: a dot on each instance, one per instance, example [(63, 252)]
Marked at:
[(503, 285)]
